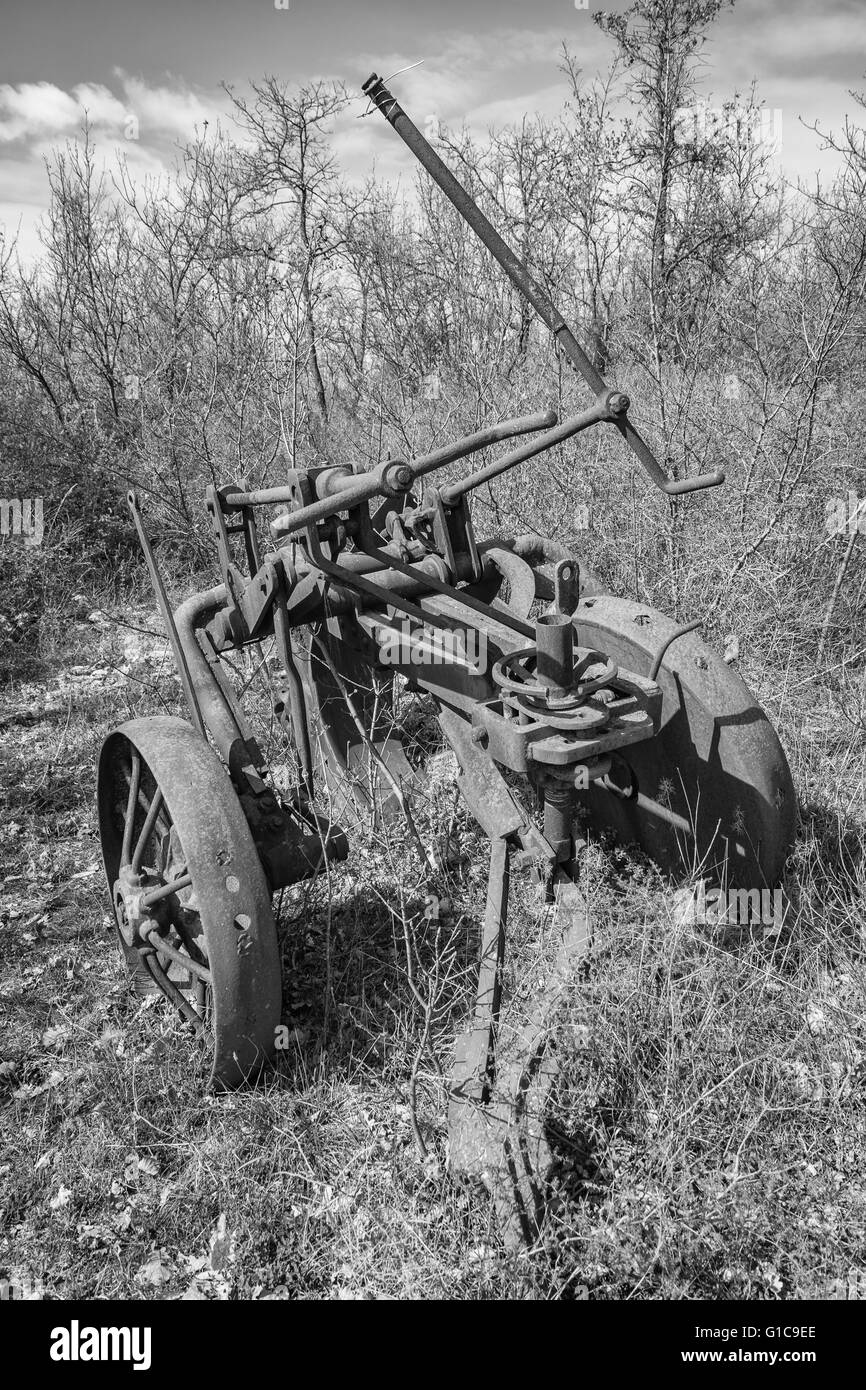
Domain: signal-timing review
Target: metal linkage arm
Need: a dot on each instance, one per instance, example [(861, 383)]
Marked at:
[(517, 272), (388, 480), (602, 410), (506, 429)]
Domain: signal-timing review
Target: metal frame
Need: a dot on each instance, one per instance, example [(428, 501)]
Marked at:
[(364, 555)]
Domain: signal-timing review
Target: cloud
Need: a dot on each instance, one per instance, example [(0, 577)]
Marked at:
[(168, 111), (39, 111), (103, 108), (33, 110), (140, 122)]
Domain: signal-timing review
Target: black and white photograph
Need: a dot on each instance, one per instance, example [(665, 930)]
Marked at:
[(433, 670)]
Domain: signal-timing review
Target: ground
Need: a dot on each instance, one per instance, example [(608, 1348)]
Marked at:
[(707, 1120)]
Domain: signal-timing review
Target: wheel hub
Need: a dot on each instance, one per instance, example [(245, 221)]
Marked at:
[(135, 917)]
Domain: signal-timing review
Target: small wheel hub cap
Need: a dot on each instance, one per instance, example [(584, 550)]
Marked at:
[(132, 918)]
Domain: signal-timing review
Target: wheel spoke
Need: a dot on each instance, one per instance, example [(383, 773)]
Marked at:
[(170, 989), (147, 829), (176, 885), (200, 972), (200, 990), (177, 933), (132, 800)]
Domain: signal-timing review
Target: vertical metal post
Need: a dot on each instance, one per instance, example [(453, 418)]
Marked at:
[(559, 818), (554, 641), (294, 689)]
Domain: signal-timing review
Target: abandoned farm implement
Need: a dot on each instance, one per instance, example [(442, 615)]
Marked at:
[(596, 706)]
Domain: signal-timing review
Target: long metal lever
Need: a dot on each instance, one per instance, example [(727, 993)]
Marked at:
[(375, 89), (452, 493)]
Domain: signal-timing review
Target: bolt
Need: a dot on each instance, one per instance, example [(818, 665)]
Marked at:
[(397, 477), (618, 402)]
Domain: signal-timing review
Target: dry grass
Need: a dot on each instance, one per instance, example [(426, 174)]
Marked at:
[(708, 1117)]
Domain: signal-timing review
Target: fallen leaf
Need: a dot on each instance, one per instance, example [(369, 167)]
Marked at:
[(154, 1271)]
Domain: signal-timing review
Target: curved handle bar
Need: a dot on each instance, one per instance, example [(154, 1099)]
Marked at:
[(376, 91), (506, 429), (452, 493), (388, 480), (648, 459)]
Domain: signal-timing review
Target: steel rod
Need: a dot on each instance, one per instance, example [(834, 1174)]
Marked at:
[(519, 275), (168, 618), (454, 491), (165, 890), (395, 475)]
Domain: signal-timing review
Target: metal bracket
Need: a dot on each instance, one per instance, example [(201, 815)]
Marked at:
[(566, 587)]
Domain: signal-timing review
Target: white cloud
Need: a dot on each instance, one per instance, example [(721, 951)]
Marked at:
[(36, 109), (32, 111), (167, 111), (103, 108), (137, 122)]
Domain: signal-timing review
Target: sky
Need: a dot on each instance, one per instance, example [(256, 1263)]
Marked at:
[(149, 73)]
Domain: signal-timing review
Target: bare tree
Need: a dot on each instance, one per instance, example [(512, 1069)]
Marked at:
[(291, 165)]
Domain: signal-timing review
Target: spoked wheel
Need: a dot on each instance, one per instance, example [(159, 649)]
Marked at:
[(190, 897)]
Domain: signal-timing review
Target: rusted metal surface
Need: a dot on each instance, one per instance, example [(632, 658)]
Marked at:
[(606, 711), (503, 1139), (566, 586), (227, 886), (483, 787), (716, 765)]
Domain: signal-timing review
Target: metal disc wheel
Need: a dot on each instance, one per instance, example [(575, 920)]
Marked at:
[(713, 792), (190, 898)]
